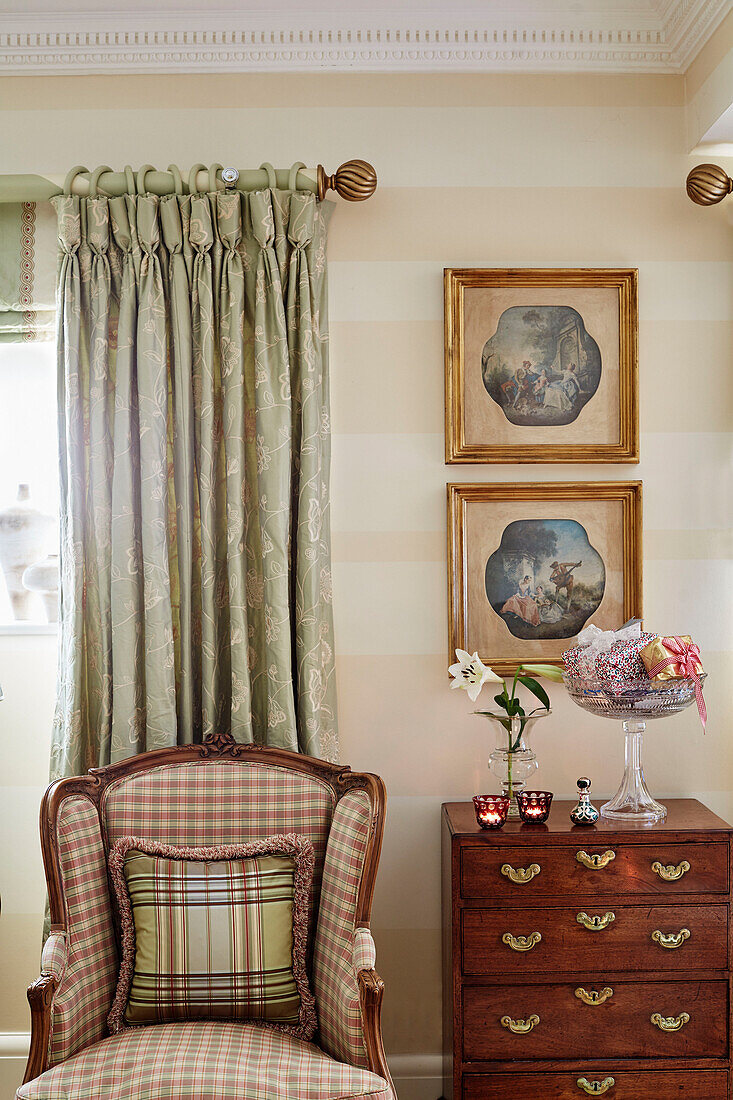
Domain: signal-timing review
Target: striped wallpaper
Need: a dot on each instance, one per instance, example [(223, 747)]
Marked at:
[(479, 171)]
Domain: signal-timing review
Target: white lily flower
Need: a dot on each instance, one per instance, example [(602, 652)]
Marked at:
[(470, 674)]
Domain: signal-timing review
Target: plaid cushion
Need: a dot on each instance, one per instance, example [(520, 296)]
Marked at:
[(205, 1061), (214, 932), (89, 971), (334, 978), (202, 805)]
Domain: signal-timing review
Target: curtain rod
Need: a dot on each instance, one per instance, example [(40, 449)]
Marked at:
[(354, 181), (708, 184)]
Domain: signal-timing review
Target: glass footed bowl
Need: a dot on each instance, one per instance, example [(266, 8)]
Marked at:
[(640, 701)]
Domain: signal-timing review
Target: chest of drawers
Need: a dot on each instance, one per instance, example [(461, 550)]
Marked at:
[(587, 961)]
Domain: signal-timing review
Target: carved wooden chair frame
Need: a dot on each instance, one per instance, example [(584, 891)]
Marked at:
[(216, 747)]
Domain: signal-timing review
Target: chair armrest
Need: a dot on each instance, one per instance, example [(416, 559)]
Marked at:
[(55, 955), (365, 950), (371, 991), (40, 998)]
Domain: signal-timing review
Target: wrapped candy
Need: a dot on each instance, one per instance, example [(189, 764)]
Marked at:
[(672, 658), (675, 658), (611, 656)]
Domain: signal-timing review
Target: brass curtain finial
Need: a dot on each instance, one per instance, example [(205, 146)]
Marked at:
[(708, 184), (354, 181)]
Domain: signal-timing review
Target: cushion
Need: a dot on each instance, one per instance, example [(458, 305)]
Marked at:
[(205, 1061), (214, 933)]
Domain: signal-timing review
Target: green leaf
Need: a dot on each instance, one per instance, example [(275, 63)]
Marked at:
[(536, 689), (505, 722), (550, 672), (501, 700)]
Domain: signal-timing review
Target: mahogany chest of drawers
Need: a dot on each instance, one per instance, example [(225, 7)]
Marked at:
[(587, 961)]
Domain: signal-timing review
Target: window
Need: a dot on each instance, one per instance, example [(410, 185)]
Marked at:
[(28, 457)]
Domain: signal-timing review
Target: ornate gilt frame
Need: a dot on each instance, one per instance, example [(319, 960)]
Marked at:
[(217, 747), (457, 449), (629, 493)]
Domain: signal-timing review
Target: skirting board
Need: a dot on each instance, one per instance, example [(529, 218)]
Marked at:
[(416, 1076), (13, 1055)]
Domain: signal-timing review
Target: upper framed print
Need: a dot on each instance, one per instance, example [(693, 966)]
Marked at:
[(529, 565), (541, 365)]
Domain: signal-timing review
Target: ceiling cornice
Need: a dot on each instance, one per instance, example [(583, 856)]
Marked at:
[(206, 42)]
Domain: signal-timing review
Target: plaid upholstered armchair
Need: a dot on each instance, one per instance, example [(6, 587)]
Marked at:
[(208, 795)]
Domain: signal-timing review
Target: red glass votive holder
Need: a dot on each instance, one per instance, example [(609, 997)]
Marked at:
[(534, 806), (491, 810)]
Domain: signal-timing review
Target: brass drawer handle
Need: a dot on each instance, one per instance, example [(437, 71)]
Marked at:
[(596, 862), (595, 924), (671, 939), (670, 1023), (520, 1027), (595, 1088), (670, 873), (520, 875), (593, 997), (521, 943)]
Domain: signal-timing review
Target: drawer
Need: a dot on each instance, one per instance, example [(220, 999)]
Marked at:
[(623, 869), (692, 1084), (550, 1022), (657, 937)]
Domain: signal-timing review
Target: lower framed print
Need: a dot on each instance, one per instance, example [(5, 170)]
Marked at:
[(531, 563)]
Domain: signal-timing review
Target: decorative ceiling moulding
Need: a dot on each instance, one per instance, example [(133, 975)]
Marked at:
[(659, 40)]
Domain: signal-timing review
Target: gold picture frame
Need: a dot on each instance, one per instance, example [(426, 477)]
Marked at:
[(493, 413), (545, 520)]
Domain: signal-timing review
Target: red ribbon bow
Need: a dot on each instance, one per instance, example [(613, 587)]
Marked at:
[(685, 660)]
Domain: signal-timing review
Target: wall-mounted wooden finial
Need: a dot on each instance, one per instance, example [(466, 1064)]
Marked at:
[(708, 184), (354, 181)]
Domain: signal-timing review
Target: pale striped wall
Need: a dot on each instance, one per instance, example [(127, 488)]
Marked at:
[(485, 171)]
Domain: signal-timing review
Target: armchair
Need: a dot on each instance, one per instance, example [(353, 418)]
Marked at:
[(204, 795)]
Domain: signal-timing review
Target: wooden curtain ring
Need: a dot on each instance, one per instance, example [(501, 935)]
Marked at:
[(271, 177), (94, 179), (71, 176), (293, 177), (177, 180), (214, 178), (142, 173), (193, 177)]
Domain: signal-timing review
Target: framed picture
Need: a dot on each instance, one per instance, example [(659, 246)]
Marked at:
[(531, 564), (541, 365)]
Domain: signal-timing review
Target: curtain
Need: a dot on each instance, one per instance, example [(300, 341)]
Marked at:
[(27, 272), (194, 459)]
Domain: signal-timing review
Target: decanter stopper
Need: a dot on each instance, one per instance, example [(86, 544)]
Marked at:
[(584, 813)]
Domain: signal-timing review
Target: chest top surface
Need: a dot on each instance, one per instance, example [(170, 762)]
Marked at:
[(686, 817)]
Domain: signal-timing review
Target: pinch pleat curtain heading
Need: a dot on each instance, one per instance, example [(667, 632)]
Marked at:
[(194, 458)]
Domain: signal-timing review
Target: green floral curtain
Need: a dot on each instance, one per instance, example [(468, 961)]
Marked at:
[(194, 433)]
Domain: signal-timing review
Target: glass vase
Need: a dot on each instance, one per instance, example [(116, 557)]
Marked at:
[(513, 761)]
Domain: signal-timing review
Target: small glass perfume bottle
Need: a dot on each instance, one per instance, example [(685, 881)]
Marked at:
[(584, 813)]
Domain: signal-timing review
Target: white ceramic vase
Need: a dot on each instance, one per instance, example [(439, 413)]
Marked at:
[(43, 577), (24, 539)]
